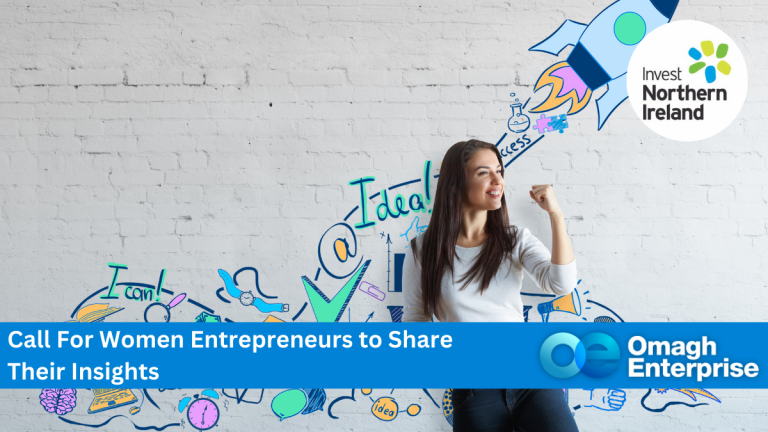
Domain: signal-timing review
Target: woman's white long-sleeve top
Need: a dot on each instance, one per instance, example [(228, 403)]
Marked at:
[(501, 302)]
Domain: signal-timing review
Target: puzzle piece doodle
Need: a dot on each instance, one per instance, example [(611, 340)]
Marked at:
[(559, 123), (543, 124), (551, 124)]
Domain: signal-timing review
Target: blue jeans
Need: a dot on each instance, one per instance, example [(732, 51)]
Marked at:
[(523, 410)]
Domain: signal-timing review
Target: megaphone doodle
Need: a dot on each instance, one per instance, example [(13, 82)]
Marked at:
[(568, 303)]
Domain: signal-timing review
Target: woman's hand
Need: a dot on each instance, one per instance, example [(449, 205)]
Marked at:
[(545, 198)]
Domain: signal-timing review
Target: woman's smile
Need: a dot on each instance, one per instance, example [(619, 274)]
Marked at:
[(495, 193)]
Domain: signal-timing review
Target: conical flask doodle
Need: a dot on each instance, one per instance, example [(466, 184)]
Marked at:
[(519, 122)]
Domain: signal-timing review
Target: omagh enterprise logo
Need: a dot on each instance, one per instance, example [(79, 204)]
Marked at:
[(597, 355)]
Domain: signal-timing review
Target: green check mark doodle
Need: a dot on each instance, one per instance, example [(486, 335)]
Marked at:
[(327, 310)]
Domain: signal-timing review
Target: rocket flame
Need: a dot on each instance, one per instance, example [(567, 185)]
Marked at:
[(566, 86)]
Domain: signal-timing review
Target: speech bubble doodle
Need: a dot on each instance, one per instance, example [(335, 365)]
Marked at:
[(289, 403)]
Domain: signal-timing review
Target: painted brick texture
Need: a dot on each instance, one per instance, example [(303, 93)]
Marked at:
[(196, 136)]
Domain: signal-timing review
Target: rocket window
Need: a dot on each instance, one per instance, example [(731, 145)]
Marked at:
[(629, 28)]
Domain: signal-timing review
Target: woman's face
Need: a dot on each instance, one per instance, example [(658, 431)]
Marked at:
[(485, 183)]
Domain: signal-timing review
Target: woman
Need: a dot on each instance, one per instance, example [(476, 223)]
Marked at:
[(468, 267)]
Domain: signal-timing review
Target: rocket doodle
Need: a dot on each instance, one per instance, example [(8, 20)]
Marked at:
[(600, 55)]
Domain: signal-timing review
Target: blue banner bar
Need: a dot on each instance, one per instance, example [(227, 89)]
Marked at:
[(387, 355)]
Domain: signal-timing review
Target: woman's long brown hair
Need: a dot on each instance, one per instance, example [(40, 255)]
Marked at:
[(438, 246)]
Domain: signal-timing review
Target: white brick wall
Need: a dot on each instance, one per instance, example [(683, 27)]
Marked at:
[(195, 136)]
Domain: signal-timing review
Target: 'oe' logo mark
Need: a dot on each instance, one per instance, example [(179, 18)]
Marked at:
[(587, 356)]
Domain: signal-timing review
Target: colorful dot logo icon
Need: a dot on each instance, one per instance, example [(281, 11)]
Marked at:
[(708, 48)]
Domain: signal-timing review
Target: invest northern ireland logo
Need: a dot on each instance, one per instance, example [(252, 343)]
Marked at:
[(687, 81), (596, 355)]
